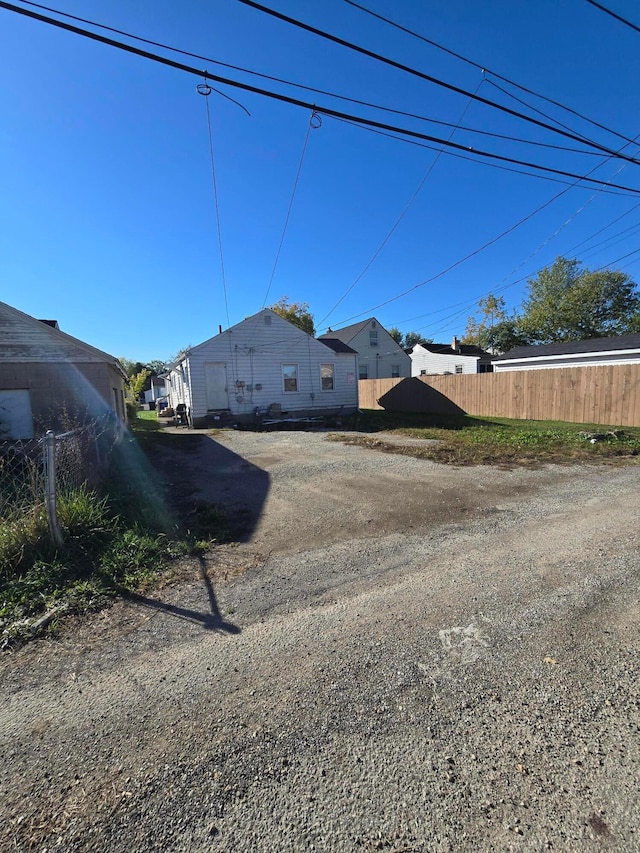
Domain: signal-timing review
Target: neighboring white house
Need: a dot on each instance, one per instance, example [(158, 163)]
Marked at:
[(158, 389), (379, 356), (429, 359), (594, 351), (263, 362)]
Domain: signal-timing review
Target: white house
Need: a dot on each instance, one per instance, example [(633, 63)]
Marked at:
[(158, 389), (429, 359), (263, 362), (379, 356), (620, 350)]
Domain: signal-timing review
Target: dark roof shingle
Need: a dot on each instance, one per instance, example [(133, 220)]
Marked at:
[(621, 342)]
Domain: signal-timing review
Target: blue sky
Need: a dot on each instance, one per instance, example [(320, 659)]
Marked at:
[(107, 212)]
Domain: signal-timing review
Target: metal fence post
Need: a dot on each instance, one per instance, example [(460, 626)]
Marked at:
[(50, 487)]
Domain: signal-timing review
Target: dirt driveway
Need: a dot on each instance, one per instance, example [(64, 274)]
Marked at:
[(418, 658)]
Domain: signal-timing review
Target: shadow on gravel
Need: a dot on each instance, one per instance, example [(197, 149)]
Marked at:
[(202, 476), (210, 621)]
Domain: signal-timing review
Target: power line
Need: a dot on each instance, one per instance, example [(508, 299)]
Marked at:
[(429, 78), (486, 70), (306, 88), (613, 15), (481, 249), (299, 103), (313, 124), (471, 159), (206, 90), (399, 219)]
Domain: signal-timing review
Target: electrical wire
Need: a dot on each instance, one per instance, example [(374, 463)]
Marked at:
[(297, 102), (399, 219), (205, 90), (429, 78), (477, 162), (487, 70), (312, 124), (613, 15), (313, 89), (499, 237)]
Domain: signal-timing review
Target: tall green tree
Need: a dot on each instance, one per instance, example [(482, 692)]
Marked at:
[(413, 338), (396, 334), (297, 313), (492, 328), (137, 383), (491, 310), (568, 302)]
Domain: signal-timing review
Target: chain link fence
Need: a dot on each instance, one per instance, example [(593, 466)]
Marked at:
[(35, 472)]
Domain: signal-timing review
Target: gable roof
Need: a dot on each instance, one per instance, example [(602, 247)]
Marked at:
[(347, 333), (336, 345), (245, 325), (25, 339), (447, 349), (590, 345)]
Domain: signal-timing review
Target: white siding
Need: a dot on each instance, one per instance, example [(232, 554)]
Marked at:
[(380, 359), (435, 363), (254, 352), (573, 360)]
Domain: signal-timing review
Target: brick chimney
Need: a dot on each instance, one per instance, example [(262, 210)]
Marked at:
[(455, 344)]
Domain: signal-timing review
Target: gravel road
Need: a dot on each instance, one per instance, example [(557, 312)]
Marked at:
[(396, 656)]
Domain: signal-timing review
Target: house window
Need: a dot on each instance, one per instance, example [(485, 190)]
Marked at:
[(290, 377), (327, 377), (395, 371), (373, 337), (485, 368), (458, 368), (423, 373), (363, 371)]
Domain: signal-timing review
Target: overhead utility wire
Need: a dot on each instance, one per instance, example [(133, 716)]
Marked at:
[(204, 89), (503, 285), (313, 89), (484, 69), (430, 79), (530, 106), (299, 103), (481, 249), (613, 15), (314, 123), (479, 162), (399, 219)]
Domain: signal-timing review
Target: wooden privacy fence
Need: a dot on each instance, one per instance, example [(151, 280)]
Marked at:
[(606, 394)]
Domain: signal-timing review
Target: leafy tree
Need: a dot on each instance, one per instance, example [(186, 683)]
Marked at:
[(502, 336), (413, 338), (137, 383), (131, 367), (156, 366), (396, 334), (569, 303), (295, 312), (492, 310)]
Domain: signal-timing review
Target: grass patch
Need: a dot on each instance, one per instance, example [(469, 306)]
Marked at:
[(466, 440), (120, 540)]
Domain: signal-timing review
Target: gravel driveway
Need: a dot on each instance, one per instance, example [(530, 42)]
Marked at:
[(396, 656)]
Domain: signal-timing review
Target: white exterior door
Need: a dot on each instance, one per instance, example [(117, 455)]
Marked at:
[(16, 420), (215, 378)]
